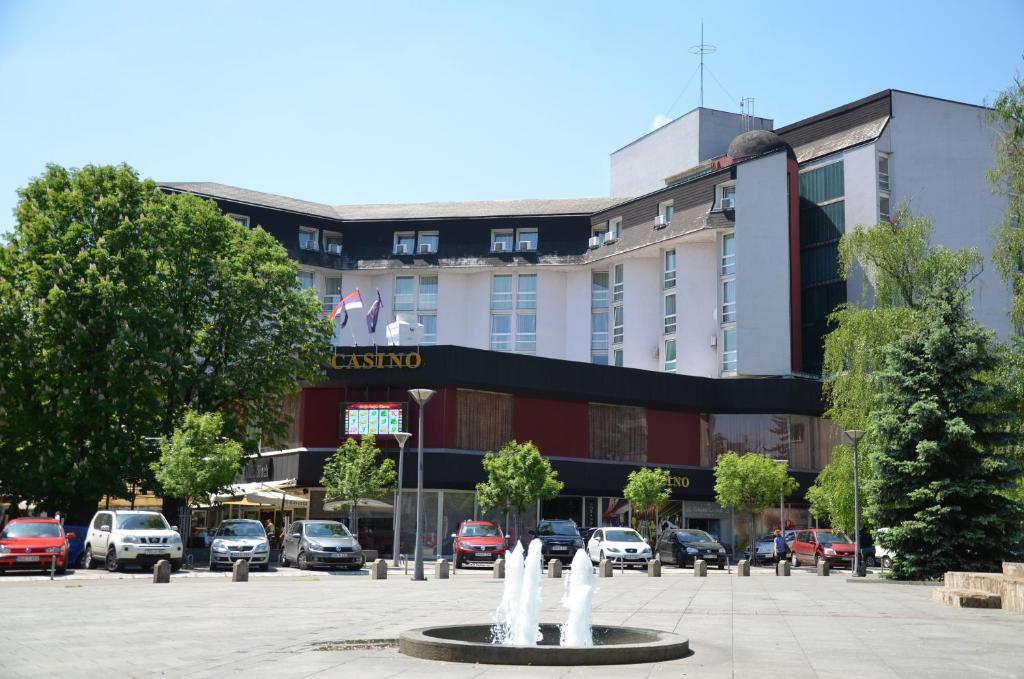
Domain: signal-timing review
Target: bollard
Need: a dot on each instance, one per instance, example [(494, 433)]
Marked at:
[(498, 571), (743, 569), (162, 571), (379, 570), (782, 568), (654, 568), (604, 569), (555, 568), (441, 569), (700, 568), (823, 568), (240, 571)]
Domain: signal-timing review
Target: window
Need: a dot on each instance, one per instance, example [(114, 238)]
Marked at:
[(619, 283), (429, 323), (332, 293), (405, 243), (616, 432), (670, 356), (728, 301), (883, 173), (599, 317), (617, 358), (308, 238), (526, 297), (307, 280), (725, 197), (883, 209), (614, 230), (501, 292), (405, 293), (670, 269), (670, 314), (728, 254), (501, 332), (241, 219), (502, 240), (617, 325), (665, 211), (526, 333), (332, 243), (729, 350), (513, 305), (526, 240), (598, 234), (427, 242), (483, 419), (599, 290), (599, 333), (428, 293)]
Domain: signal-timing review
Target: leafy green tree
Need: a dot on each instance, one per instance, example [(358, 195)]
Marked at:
[(1007, 178), (941, 466), (750, 484), (354, 473), (831, 496), (196, 460), (517, 477), (646, 489), (122, 307)]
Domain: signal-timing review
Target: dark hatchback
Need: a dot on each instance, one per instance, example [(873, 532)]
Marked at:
[(683, 546), (559, 539)]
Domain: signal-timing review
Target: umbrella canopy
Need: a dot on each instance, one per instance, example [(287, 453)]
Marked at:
[(371, 505)]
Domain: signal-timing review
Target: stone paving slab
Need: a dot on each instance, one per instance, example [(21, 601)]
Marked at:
[(202, 626)]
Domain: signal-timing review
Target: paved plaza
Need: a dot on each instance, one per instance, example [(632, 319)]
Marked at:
[(203, 625)]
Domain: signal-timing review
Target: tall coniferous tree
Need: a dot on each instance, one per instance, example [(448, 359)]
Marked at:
[(941, 462)]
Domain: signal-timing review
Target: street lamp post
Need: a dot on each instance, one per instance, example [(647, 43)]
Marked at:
[(401, 437), (421, 396), (855, 436)]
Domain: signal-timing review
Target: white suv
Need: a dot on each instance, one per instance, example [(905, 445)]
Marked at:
[(120, 537)]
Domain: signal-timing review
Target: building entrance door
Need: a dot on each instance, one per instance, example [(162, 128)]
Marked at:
[(710, 526)]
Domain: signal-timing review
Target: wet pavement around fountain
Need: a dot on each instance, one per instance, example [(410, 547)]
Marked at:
[(274, 625)]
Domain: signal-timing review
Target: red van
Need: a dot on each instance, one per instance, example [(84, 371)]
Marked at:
[(822, 544)]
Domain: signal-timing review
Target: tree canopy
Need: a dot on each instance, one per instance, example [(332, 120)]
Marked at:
[(121, 308), (942, 471), (831, 496), (646, 488), (354, 473), (517, 476), (751, 483), (196, 460), (1008, 179)]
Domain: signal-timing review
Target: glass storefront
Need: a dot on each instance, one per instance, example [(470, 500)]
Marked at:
[(805, 442)]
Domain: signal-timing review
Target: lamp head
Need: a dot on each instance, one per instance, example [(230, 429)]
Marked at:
[(421, 396), (854, 434), (402, 437)]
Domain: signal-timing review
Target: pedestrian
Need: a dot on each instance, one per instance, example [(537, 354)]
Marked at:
[(271, 532), (779, 546)]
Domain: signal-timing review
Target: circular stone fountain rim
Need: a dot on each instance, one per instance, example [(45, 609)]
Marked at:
[(418, 643)]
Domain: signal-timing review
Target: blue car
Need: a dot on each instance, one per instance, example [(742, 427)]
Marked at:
[(76, 547)]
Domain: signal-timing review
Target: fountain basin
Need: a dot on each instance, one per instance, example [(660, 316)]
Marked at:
[(612, 646)]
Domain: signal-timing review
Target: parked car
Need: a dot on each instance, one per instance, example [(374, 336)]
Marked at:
[(790, 536), (477, 542), (120, 537), (817, 544), (244, 539), (882, 555), (683, 546), (326, 544), (34, 544), (764, 549), (586, 533), (76, 543), (620, 545), (559, 539)]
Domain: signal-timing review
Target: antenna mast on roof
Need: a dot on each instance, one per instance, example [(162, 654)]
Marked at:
[(702, 49), (747, 113)]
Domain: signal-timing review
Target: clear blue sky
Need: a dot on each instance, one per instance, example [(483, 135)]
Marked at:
[(363, 102)]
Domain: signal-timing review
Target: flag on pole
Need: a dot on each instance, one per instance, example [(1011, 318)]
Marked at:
[(371, 315), (353, 301)]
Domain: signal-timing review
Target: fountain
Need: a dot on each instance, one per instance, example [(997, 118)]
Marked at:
[(517, 636)]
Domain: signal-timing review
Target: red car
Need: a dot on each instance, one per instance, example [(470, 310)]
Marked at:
[(821, 544), (478, 541), (34, 544)]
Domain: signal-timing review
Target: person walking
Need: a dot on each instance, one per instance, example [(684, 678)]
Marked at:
[(779, 546)]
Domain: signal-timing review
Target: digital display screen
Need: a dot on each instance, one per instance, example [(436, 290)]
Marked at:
[(376, 419)]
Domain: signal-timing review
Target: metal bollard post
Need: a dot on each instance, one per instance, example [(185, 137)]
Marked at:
[(53, 565)]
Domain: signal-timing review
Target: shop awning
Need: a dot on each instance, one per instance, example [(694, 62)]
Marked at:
[(371, 505), (267, 494)]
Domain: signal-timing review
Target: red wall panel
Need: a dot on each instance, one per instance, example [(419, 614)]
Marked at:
[(559, 428), (673, 437)]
